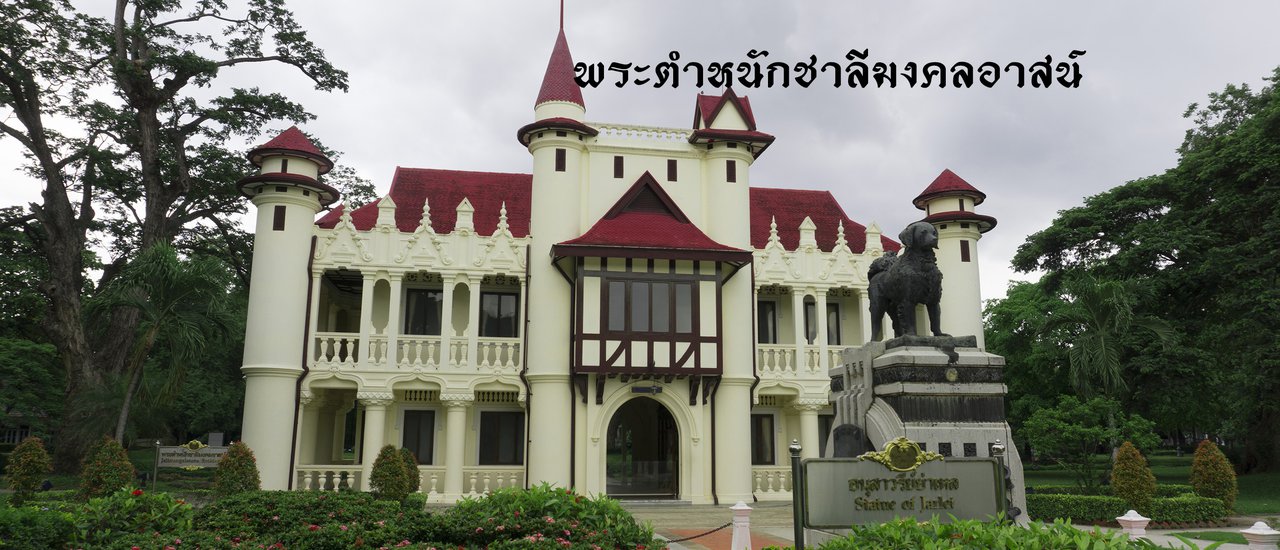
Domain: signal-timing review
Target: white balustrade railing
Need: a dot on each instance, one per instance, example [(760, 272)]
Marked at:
[(833, 356), (431, 480), (339, 349), (458, 352), (328, 478), (377, 350), (776, 359), (811, 357), (478, 480), (499, 353), (418, 351), (771, 482)]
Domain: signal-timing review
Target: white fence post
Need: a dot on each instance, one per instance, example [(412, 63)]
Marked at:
[(741, 526), (1260, 537)]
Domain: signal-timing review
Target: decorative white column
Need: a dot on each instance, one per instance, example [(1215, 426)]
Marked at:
[(366, 351), (797, 318), (473, 321), (394, 317), (455, 434), (808, 409), (733, 419), (820, 311), (864, 315), (446, 323), (309, 416), (375, 428)]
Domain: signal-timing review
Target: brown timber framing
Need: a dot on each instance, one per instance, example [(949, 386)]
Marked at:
[(620, 361)]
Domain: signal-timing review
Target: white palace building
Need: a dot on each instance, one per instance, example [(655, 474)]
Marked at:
[(631, 318)]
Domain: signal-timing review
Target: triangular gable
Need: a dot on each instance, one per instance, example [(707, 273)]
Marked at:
[(708, 108), (646, 195)]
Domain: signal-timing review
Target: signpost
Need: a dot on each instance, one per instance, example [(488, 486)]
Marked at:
[(192, 455), (900, 481)]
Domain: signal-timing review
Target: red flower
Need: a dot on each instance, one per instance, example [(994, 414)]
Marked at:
[(137, 492), (314, 527)]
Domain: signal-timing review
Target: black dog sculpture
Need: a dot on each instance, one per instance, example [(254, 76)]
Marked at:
[(898, 283)]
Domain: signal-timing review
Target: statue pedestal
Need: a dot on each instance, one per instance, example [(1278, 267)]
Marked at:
[(941, 392)]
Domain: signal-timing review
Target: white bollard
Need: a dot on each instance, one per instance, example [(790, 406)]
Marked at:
[(1133, 523), (1261, 536), (741, 526)]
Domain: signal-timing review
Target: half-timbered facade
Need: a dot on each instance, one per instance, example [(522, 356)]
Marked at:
[(633, 317)]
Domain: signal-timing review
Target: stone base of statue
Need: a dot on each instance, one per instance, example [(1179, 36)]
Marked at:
[(941, 392)]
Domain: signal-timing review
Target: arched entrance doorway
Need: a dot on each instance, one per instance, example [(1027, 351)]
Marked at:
[(642, 457)]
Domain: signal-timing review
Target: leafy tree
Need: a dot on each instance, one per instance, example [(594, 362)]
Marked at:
[(1131, 478), (27, 466), (29, 382), (389, 478), (146, 163), (411, 467), (178, 303), (1212, 475), (1016, 329), (1072, 433), (1201, 245)]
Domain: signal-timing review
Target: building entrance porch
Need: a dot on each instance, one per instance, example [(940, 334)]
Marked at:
[(643, 457)]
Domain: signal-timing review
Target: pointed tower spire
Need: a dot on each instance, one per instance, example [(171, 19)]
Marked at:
[(558, 83)]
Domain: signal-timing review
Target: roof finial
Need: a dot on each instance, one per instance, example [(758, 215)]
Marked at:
[(561, 15)]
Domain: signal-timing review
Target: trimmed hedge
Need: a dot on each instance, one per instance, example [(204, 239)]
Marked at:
[(1098, 508), (1163, 490), (35, 528), (908, 534)]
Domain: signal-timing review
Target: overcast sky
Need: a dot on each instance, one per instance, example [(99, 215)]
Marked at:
[(446, 85)]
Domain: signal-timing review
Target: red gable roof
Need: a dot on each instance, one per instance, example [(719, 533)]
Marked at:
[(708, 106), (443, 190), (790, 207), (948, 183), (291, 141), (645, 217), (558, 83)]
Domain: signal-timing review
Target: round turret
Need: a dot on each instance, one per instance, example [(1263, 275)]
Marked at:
[(948, 203)]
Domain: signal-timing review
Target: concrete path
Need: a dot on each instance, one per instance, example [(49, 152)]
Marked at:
[(771, 526)]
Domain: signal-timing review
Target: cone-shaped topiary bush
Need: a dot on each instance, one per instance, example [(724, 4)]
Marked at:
[(411, 467), (1212, 475), (237, 471), (389, 479), (106, 469), (1131, 478), (28, 464)]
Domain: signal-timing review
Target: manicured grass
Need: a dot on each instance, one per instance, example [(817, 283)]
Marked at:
[(1215, 536), (1259, 493)]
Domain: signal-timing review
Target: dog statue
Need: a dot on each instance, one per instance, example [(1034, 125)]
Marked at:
[(898, 283)]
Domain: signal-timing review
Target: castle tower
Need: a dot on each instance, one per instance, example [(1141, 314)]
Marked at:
[(949, 204), (288, 195), (726, 127), (556, 139)]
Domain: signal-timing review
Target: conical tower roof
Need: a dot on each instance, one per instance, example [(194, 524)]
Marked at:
[(291, 141), (948, 184), (558, 83)]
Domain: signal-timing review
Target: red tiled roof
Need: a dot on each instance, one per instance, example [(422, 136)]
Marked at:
[(553, 123), (558, 83), (705, 135), (444, 190), (984, 223), (652, 222), (790, 207), (709, 106), (948, 183), (294, 141)]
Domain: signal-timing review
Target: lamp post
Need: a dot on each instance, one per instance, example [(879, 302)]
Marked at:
[(797, 495)]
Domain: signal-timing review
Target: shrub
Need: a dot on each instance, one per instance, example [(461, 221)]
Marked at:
[(106, 469), (411, 467), (1163, 490), (131, 511), (390, 478), (1097, 508), (1131, 478), (1070, 432), (545, 513), (1212, 475), (908, 534), (237, 471), (27, 466), (34, 528), (268, 517)]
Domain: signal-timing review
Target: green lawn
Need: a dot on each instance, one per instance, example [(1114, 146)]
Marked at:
[(1215, 536), (1259, 493)]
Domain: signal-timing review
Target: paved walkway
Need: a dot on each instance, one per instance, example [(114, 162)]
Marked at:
[(771, 526)]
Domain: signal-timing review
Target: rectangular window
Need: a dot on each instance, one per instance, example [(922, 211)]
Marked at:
[(731, 171), (643, 306), (284, 166), (767, 322), (762, 439), (661, 307), (811, 323), (277, 218), (559, 160), (671, 169), (617, 305), (498, 312), (617, 166), (419, 434), (422, 311), (961, 204), (640, 307), (964, 250), (501, 438), (684, 308)]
